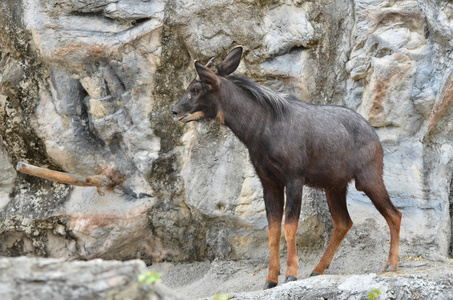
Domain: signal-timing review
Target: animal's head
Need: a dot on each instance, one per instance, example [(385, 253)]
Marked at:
[(199, 99)]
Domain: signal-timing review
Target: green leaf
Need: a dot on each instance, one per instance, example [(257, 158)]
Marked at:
[(221, 297), (374, 294), (150, 277)]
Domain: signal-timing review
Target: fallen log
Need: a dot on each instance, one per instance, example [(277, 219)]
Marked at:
[(98, 181)]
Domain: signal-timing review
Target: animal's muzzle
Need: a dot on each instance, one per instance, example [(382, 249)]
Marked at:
[(177, 115)]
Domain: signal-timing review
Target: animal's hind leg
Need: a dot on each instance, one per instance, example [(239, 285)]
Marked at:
[(341, 224), (375, 189)]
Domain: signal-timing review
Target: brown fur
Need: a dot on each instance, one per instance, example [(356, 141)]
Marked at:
[(220, 117), (293, 143)]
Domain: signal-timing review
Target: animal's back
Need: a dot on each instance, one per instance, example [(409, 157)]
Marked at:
[(327, 145)]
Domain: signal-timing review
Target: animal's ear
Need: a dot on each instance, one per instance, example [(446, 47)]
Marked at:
[(231, 62), (206, 75)]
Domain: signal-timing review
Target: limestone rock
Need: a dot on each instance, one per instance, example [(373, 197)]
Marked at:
[(369, 286), (39, 278), (88, 86)]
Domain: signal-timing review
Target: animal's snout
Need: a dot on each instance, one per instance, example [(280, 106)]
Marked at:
[(177, 114)]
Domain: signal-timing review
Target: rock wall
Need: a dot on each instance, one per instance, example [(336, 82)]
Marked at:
[(88, 86)]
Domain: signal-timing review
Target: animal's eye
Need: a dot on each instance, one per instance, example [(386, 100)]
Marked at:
[(195, 91)]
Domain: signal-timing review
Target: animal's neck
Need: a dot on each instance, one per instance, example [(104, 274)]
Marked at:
[(244, 116)]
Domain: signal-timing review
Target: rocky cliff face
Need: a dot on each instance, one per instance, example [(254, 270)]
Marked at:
[(88, 86)]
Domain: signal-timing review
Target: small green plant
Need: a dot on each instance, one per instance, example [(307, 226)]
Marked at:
[(221, 297), (374, 294), (150, 277)]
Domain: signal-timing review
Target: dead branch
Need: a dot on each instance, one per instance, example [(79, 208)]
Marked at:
[(99, 181)]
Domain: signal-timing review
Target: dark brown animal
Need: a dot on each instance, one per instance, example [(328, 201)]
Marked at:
[(292, 143)]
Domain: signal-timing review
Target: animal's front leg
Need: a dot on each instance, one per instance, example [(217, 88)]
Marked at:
[(292, 212), (274, 245), (273, 199)]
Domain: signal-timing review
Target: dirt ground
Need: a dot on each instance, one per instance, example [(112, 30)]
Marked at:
[(200, 280)]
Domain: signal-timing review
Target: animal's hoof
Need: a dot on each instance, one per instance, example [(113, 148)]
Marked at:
[(290, 278), (314, 274), (390, 269), (269, 285)]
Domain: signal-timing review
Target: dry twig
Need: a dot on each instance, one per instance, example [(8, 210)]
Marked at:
[(99, 181)]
